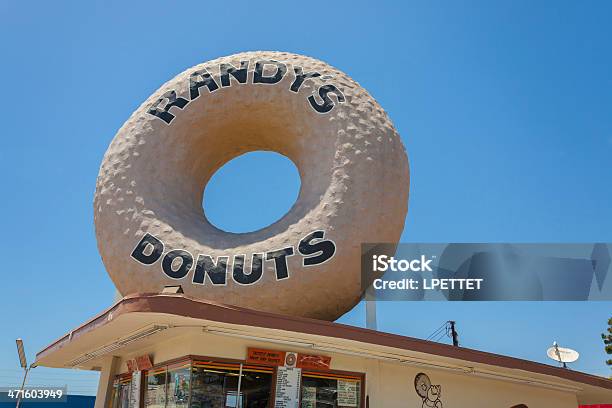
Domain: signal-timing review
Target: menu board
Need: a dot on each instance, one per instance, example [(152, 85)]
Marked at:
[(309, 397), (347, 393), (134, 398), (287, 387)]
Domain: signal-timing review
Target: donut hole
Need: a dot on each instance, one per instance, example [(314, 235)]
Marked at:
[(221, 127), (251, 192)]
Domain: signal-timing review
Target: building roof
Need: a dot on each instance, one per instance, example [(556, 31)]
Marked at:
[(183, 310)]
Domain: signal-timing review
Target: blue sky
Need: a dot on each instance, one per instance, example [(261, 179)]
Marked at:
[(504, 108)]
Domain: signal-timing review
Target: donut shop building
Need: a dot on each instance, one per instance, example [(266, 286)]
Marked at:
[(174, 351), (249, 337)]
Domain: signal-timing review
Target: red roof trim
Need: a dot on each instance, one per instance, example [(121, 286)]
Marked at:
[(190, 307)]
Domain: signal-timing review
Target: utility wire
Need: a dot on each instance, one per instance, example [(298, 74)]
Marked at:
[(440, 336), (436, 332), (447, 329)]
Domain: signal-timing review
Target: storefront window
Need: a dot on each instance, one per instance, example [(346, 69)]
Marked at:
[(121, 392), (155, 393), (255, 387), (178, 386), (211, 384), (215, 385), (330, 391)]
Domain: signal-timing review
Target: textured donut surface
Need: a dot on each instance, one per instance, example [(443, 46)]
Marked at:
[(150, 225)]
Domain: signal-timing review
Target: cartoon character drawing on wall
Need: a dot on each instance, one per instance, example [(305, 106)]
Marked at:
[(429, 393)]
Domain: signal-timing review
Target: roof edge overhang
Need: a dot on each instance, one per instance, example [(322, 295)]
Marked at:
[(185, 306)]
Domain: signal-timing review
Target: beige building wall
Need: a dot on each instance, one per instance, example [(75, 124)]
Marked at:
[(388, 384)]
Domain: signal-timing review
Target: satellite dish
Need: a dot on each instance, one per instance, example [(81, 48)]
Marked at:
[(562, 355)]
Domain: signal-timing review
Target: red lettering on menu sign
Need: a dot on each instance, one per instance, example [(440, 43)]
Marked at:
[(277, 358)]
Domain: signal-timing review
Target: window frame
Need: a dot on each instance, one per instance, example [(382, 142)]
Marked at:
[(338, 374), (235, 364), (117, 391), (191, 360)]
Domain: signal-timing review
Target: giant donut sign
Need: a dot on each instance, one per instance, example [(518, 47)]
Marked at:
[(150, 225)]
